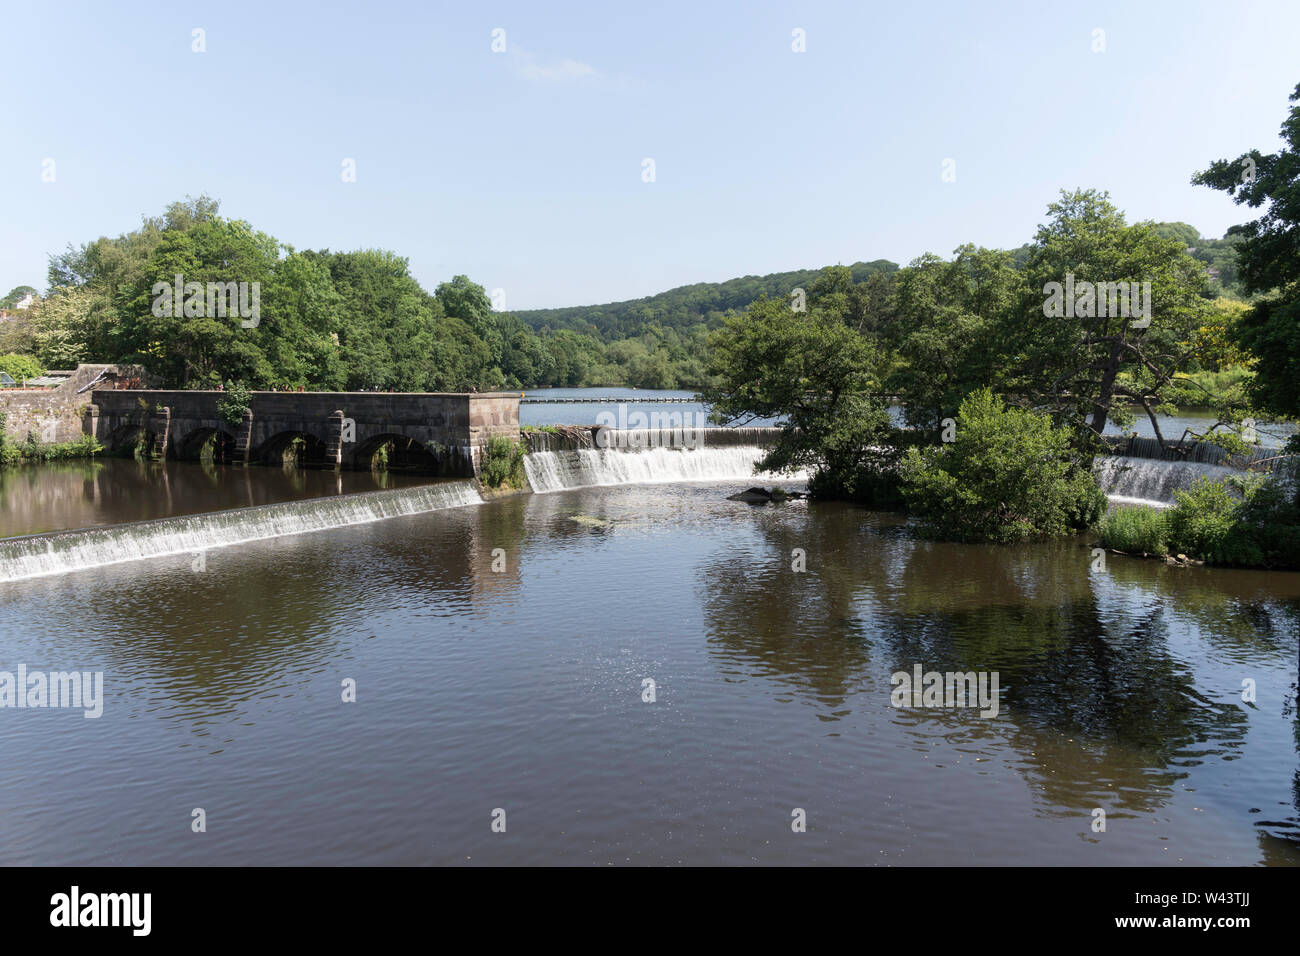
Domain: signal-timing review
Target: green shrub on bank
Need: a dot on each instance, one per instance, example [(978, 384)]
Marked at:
[(503, 463), (1008, 475), (1136, 531), (87, 446), (13, 453), (1259, 526), (1206, 389), (1206, 524)]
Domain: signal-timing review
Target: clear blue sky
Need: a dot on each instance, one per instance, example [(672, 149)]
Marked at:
[(523, 169)]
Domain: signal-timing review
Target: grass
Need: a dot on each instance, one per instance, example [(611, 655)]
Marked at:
[(1136, 531), (1210, 389), (503, 463)]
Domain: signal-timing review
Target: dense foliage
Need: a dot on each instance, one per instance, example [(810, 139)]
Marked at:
[(953, 342), (821, 378), (1249, 521), (20, 367), (503, 463), (687, 307), (326, 320), (359, 320), (1007, 475), (1269, 261)]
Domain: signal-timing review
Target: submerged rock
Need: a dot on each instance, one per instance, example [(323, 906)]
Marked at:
[(591, 521), (758, 496)]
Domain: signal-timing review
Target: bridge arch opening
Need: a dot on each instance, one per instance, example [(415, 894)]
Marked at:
[(294, 450), (130, 439), (207, 445), (394, 452)]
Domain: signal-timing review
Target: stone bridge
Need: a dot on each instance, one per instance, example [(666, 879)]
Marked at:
[(438, 432)]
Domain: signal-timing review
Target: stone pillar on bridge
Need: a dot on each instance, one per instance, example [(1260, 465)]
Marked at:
[(160, 424), (334, 438), (244, 438)]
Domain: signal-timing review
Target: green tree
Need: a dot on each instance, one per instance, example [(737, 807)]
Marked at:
[(1008, 475), (1269, 261), (180, 342), (946, 318), (20, 367), (1087, 368), (817, 376), (16, 294)]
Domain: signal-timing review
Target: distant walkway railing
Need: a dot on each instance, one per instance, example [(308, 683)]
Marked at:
[(608, 400), (1204, 453)]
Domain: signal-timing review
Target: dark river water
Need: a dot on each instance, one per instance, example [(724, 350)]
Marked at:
[(84, 494), (521, 690), (639, 674)]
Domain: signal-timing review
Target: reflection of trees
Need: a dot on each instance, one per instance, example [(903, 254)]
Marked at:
[(113, 491), (1234, 609), (802, 631), (211, 640), (36, 498), (1096, 705)]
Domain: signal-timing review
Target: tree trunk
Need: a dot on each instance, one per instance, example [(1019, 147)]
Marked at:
[(1101, 405)]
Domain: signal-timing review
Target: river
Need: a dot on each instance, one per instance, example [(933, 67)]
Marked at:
[(502, 653)]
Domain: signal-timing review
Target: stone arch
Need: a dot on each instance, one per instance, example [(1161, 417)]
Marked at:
[(404, 454), (297, 448), (198, 442), (126, 438)]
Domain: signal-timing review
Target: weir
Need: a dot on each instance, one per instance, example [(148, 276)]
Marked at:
[(1151, 481), (1202, 453), (558, 459), (46, 554), (1142, 472), (584, 457)]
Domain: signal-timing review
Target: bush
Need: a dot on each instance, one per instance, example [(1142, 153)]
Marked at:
[(1271, 513), (1136, 531), (233, 403), (1008, 475), (8, 453), (20, 367), (503, 463), (1204, 524), (1257, 527)]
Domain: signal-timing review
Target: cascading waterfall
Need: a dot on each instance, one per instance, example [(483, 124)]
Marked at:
[(582, 458), (558, 470), (61, 552), (1151, 481), (1142, 471)]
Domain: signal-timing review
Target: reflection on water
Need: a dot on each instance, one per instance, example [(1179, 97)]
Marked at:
[(84, 494), (522, 688)]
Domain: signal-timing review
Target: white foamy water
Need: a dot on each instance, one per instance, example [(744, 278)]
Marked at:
[(592, 467), (1151, 481), (40, 555)]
